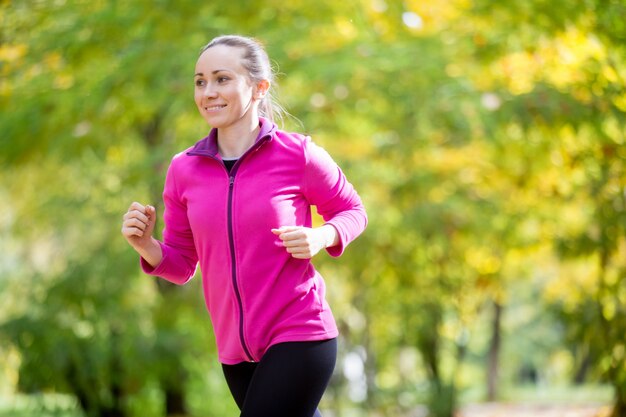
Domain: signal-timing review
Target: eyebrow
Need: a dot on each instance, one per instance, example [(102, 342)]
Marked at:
[(212, 72)]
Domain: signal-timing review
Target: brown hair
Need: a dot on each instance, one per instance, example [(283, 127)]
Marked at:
[(257, 63)]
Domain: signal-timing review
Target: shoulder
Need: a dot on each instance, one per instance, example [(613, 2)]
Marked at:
[(181, 157), (291, 138), (305, 146), (291, 145), (180, 162), (283, 138)]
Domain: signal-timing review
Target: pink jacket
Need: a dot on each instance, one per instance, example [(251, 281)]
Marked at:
[(257, 294)]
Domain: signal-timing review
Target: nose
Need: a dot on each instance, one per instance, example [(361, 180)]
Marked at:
[(209, 91)]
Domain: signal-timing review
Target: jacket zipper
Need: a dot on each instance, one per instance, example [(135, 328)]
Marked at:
[(231, 182), (231, 240)]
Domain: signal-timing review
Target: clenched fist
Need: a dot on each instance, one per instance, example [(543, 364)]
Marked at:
[(306, 242), (137, 228)]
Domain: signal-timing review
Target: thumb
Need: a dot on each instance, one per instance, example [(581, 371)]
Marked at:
[(285, 229), (152, 217)]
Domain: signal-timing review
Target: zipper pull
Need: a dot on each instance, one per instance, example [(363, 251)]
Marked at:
[(231, 181)]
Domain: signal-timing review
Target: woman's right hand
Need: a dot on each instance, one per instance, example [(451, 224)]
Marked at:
[(138, 225), (137, 228)]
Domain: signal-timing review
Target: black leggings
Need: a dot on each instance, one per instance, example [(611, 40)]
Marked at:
[(288, 381)]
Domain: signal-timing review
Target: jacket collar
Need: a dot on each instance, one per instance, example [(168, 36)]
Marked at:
[(208, 145)]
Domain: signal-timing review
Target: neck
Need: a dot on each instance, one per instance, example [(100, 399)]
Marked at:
[(236, 140)]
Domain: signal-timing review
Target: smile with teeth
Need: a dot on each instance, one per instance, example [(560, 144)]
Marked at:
[(214, 108)]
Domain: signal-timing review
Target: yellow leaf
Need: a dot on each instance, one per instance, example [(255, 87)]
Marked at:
[(11, 53)]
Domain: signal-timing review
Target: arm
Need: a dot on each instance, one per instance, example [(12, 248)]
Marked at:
[(325, 186), (175, 258), (338, 203)]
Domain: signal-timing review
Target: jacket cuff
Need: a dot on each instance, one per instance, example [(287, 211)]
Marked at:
[(154, 270), (339, 248)]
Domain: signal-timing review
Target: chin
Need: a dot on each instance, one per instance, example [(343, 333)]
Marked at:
[(214, 121)]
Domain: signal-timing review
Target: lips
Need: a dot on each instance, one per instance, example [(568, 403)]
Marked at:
[(214, 107)]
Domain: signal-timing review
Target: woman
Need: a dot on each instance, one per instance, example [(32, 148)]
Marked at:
[(239, 203)]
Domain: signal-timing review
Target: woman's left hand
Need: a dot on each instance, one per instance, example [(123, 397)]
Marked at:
[(306, 242)]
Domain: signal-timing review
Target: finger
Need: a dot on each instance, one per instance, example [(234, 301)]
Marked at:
[(295, 243), (137, 206), (285, 229), (297, 250), (293, 235), (135, 222), (134, 217), (136, 214), (132, 231)]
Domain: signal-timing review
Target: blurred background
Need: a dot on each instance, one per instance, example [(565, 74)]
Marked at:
[(487, 140)]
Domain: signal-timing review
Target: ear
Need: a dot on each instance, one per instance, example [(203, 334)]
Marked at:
[(261, 89)]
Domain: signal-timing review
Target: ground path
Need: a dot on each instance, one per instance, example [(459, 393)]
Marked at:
[(533, 410)]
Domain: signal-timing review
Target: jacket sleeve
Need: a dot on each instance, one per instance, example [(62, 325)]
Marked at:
[(326, 187), (179, 253)]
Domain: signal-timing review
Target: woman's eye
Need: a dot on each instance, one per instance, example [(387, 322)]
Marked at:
[(222, 79), (199, 83)]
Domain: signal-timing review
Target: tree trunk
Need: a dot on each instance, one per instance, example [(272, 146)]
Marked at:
[(494, 352), (116, 408), (442, 401), (581, 373), (619, 406), (175, 401)]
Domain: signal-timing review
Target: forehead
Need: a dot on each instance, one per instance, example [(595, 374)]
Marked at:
[(221, 57)]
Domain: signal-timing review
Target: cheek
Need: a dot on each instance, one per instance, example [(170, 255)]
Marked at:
[(197, 97), (244, 90), (245, 95)]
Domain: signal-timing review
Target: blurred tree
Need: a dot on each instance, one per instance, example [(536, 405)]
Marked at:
[(96, 87), (477, 133), (564, 75)]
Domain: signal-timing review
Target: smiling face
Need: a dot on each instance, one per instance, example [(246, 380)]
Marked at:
[(224, 93)]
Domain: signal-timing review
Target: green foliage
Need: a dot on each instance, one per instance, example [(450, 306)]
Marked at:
[(486, 139)]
